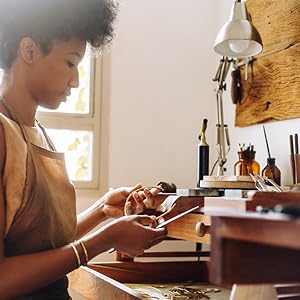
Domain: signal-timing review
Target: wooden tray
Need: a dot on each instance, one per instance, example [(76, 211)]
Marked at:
[(105, 281)]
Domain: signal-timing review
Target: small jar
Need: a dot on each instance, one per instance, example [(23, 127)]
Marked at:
[(246, 164), (271, 171)]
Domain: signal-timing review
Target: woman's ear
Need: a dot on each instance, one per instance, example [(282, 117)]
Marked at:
[(28, 50)]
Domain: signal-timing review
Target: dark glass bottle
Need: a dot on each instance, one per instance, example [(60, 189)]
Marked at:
[(271, 171), (246, 164)]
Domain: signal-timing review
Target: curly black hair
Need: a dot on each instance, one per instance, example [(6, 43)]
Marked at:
[(48, 20)]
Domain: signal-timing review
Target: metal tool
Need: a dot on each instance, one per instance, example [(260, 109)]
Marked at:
[(260, 184), (163, 224)]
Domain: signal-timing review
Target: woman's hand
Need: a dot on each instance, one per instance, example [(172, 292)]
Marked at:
[(114, 200), (133, 234), (111, 205)]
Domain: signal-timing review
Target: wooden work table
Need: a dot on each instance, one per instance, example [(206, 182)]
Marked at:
[(270, 248), (266, 250)]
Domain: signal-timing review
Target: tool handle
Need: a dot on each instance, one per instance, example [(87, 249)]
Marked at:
[(292, 156), (236, 86), (203, 163)]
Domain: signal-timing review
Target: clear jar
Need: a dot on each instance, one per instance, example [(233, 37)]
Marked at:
[(271, 171)]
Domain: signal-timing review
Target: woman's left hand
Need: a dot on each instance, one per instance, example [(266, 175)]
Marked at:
[(114, 200)]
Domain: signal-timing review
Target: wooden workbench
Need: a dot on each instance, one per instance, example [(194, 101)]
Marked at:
[(111, 280), (266, 250)]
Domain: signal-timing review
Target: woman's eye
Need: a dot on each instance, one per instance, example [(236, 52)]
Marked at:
[(70, 64)]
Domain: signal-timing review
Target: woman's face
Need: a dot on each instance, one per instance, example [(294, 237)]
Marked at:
[(55, 74)]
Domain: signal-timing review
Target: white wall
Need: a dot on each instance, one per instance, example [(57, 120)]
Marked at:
[(162, 64), (159, 70), (160, 88)]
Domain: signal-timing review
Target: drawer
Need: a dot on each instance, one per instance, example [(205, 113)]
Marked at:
[(192, 227), (126, 281)]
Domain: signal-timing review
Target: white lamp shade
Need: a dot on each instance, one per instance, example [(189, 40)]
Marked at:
[(238, 37)]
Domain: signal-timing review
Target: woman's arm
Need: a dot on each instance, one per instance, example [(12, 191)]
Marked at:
[(90, 218), (23, 274), (20, 275)]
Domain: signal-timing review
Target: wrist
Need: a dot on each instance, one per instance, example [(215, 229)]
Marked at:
[(98, 242), (100, 211)]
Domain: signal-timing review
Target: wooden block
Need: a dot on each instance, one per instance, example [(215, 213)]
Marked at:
[(228, 182)]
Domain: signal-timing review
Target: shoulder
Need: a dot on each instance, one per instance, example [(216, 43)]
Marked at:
[(5, 121), (11, 141), (10, 129), (2, 206), (2, 148)]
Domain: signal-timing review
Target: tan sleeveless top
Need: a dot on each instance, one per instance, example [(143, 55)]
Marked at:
[(38, 196), (15, 169)]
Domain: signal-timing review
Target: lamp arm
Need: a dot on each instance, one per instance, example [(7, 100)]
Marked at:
[(222, 129)]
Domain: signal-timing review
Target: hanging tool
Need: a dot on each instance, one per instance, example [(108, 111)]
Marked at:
[(236, 86)]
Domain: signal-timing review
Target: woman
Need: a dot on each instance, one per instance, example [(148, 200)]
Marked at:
[(41, 45)]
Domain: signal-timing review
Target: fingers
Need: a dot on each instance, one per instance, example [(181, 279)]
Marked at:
[(146, 220), (158, 236), (149, 201), (140, 189), (137, 234), (139, 198), (145, 197), (129, 208), (154, 191), (136, 187), (154, 242), (140, 201), (126, 191), (135, 253), (151, 222)]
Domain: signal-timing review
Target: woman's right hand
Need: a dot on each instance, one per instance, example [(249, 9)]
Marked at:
[(133, 234)]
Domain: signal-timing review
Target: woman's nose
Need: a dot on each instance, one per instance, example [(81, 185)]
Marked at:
[(74, 81)]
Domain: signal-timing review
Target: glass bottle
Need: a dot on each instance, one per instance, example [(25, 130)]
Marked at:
[(246, 164), (271, 171)]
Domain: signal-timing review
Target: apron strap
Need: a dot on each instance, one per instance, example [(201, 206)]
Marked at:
[(23, 130), (14, 118), (51, 145)]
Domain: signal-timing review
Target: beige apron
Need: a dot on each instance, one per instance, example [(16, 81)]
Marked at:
[(46, 217)]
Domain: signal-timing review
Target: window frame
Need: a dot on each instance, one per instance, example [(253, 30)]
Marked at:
[(90, 121)]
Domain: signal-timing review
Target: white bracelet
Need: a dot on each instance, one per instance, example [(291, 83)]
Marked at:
[(76, 254), (85, 252)]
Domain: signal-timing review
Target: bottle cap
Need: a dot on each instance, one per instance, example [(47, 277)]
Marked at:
[(271, 160)]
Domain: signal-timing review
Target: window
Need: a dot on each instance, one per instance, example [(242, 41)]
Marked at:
[(75, 127)]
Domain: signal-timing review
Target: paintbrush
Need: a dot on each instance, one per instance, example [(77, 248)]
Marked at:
[(266, 139)]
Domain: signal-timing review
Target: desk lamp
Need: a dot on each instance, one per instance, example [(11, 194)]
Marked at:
[(237, 39)]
